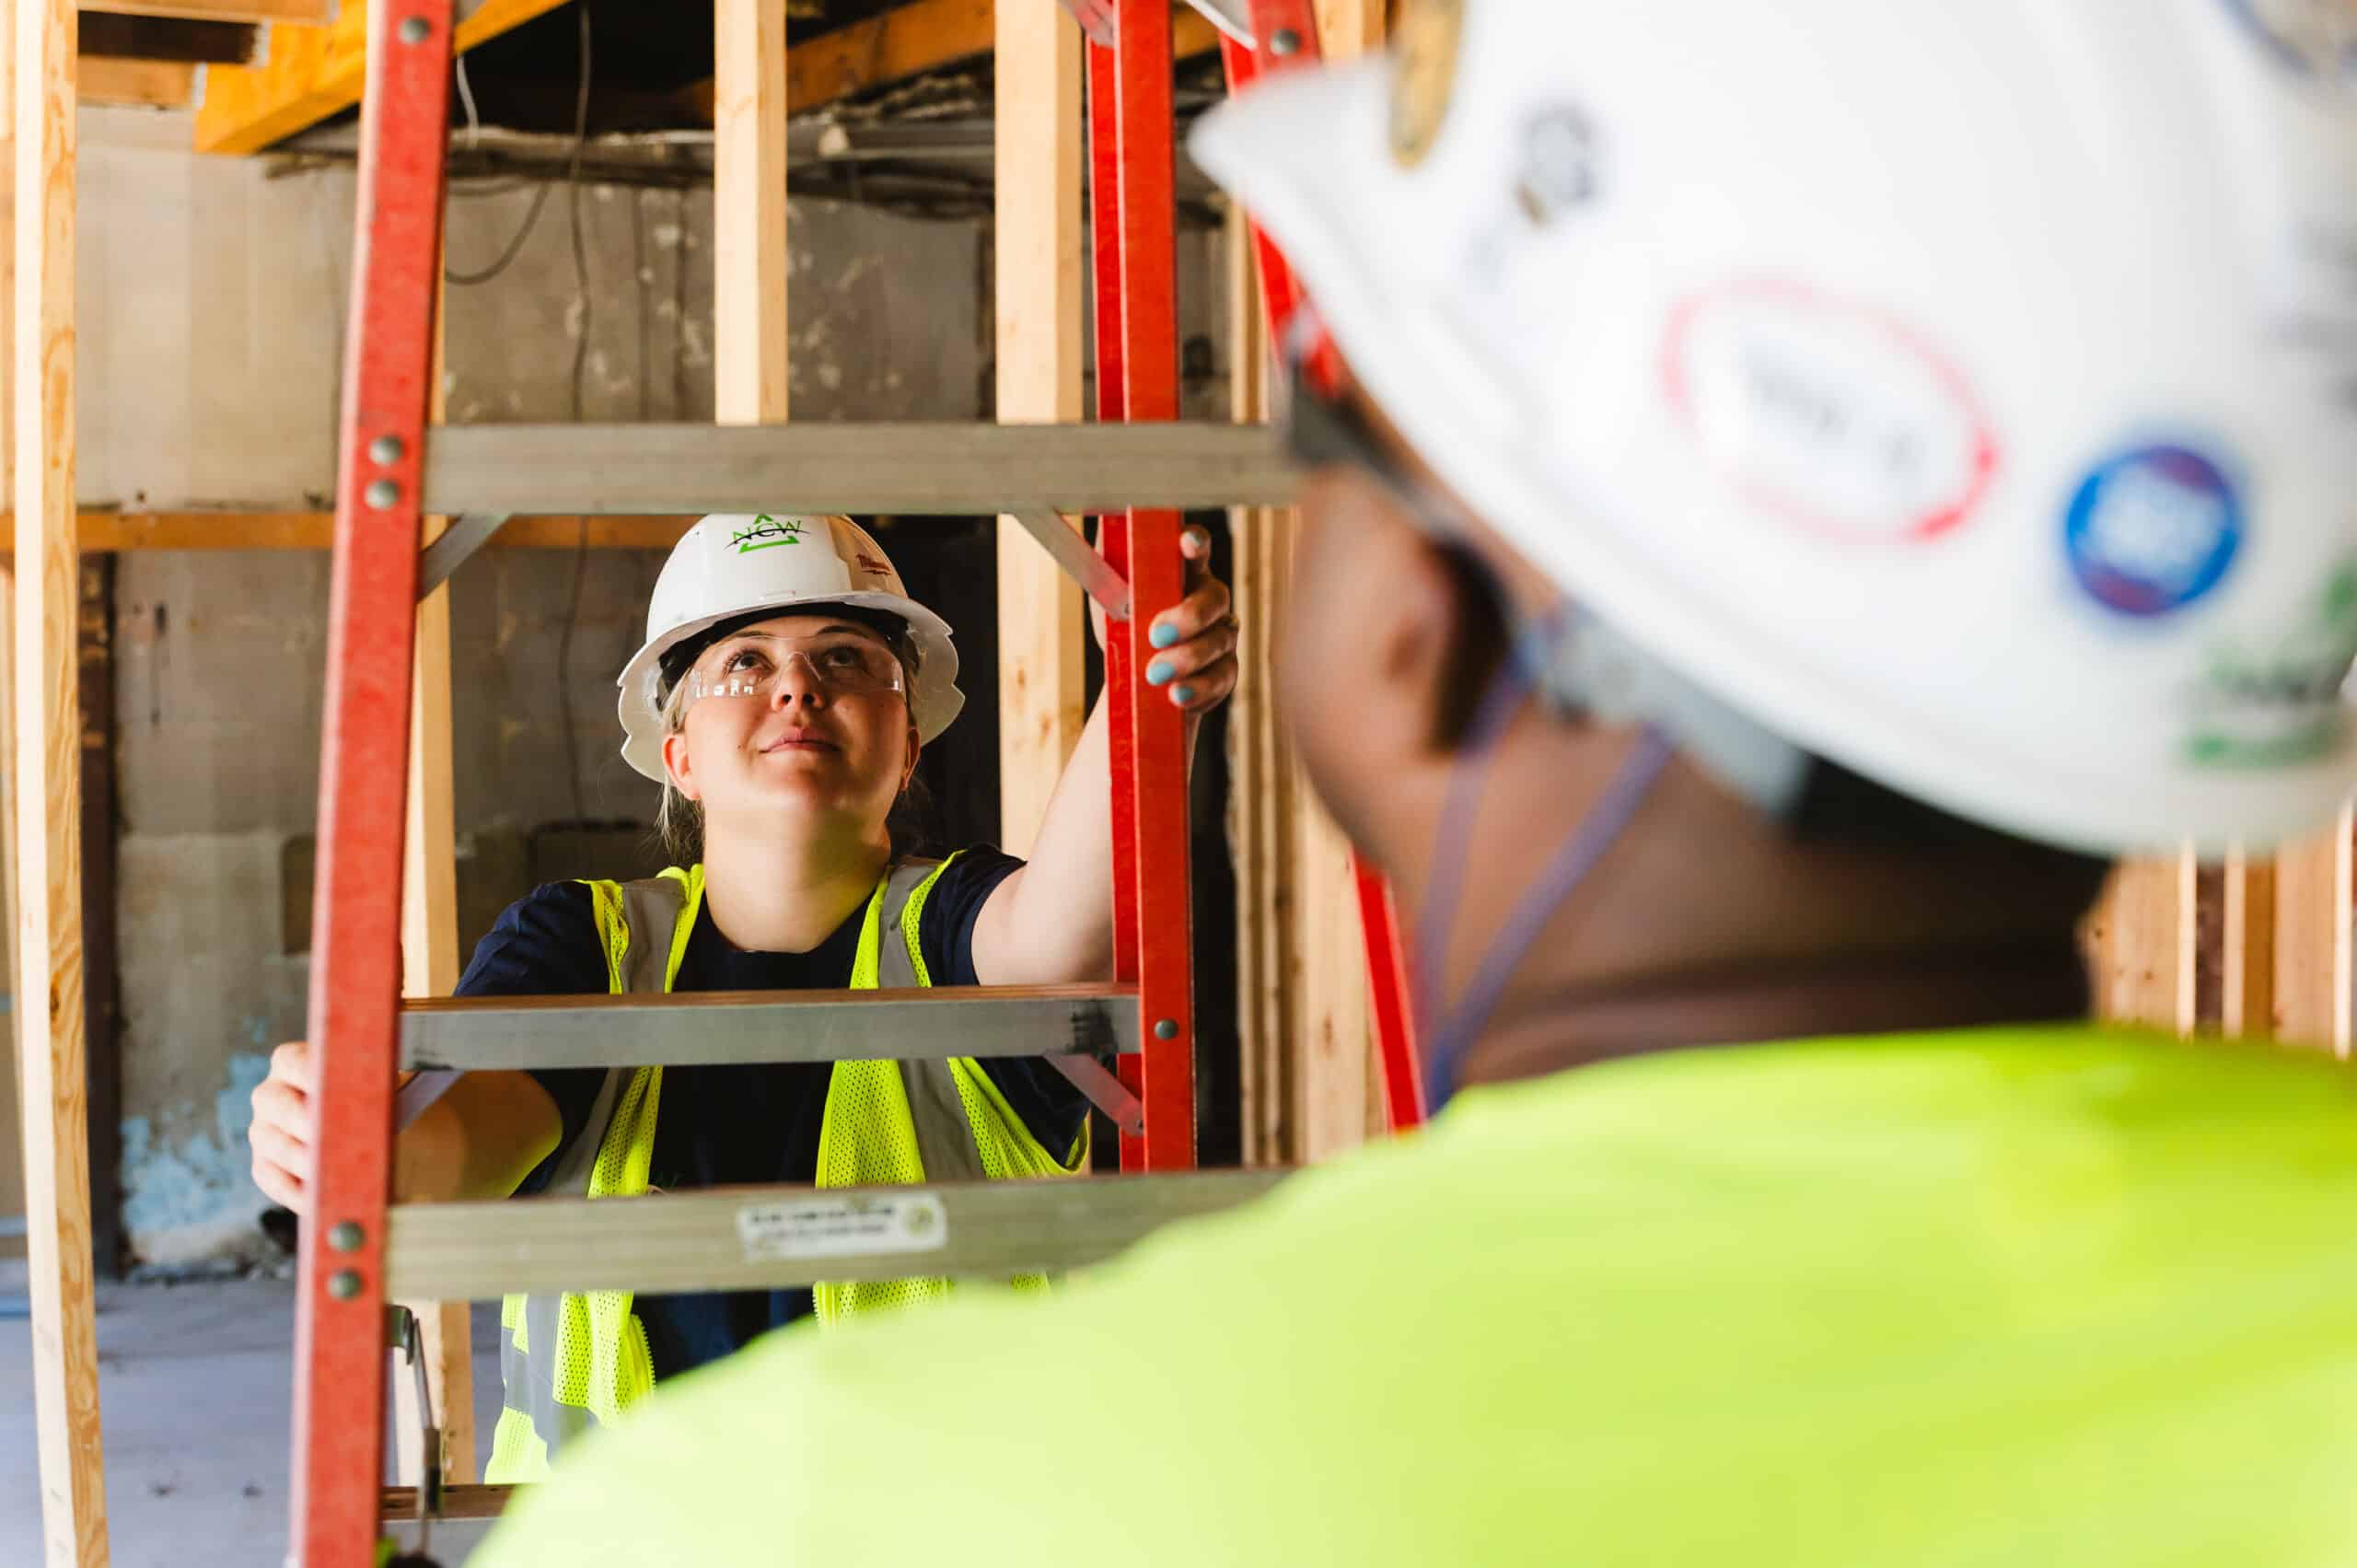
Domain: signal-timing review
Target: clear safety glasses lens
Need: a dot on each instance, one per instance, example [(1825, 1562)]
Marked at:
[(753, 667)]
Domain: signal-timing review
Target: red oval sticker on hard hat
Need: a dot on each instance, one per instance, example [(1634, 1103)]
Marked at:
[(1835, 417)]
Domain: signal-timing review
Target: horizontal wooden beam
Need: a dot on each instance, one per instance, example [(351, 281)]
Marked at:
[(310, 72), (905, 41), (311, 12), (144, 84), (104, 531), (779, 1238), (98, 34), (961, 469)]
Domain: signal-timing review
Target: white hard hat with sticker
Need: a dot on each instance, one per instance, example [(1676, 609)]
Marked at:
[(1967, 392), (728, 566)]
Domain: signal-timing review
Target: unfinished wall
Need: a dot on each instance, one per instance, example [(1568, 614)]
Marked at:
[(214, 300)]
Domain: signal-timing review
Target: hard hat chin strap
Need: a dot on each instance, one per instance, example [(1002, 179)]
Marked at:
[(1576, 665)]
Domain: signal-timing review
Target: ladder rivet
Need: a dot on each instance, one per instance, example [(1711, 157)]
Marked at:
[(413, 30), (384, 493), (1284, 41), (343, 1284), (1165, 1029), (386, 449), (346, 1237)]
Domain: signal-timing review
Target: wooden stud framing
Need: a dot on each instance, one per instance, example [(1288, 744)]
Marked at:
[(1260, 798), (2312, 904), (430, 968), (1311, 1080), (310, 72), (749, 173), (2144, 948), (2247, 1008), (1042, 678), (49, 974)]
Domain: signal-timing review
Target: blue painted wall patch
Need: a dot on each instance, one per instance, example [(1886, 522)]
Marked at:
[(2153, 529)]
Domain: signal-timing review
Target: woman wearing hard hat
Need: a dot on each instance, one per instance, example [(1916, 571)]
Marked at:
[(785, 688)]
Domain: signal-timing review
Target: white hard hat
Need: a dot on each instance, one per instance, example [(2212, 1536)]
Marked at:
[(730, 564), (1966, 392)]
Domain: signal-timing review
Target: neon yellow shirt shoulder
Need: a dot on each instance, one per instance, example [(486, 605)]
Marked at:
[(2052, 1295)]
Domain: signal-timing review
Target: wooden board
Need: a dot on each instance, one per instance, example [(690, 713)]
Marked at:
[(430, 968), (140, 84), (909, 39), (311, 12), (2145, 950), (1042, 623), (307, 73), (2247, 1007), (749, 305), (1312, 1080), (1260, 798), (12, 1159), (2313, 901), (109, 530), (174, 39), (49, 973)]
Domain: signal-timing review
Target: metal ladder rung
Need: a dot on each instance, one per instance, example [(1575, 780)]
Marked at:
[(965, 469), (779, 1238), (495, 1033)]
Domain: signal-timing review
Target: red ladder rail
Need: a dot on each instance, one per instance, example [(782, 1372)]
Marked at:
[(1133, 136), (340, 1325)]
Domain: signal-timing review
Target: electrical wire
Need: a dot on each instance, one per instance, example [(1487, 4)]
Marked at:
[(515, 247), (583, 317), (467, 101)]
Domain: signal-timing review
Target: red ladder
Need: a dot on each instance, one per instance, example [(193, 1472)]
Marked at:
[(357, 1244)]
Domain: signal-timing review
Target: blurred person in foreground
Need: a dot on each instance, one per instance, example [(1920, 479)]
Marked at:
[(1797, 488)]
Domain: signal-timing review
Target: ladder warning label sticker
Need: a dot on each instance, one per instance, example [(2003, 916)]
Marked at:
[(822, 1227)]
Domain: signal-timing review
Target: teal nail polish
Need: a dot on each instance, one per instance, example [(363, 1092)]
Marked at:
[(1160, 672), (1164, 636), (1183, 695)]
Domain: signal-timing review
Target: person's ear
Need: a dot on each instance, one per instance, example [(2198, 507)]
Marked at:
[(1419, 637), (675, 763), (911, 751)]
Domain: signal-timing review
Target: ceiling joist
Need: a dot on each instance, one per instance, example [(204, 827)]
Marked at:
[(317, 12), (910, 40), (310, 73), (99, 34), (142, 83)]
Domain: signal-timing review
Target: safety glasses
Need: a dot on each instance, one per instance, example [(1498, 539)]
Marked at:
[(751, 663)]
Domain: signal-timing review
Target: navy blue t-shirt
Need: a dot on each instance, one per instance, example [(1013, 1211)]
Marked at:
[(734, 1124)]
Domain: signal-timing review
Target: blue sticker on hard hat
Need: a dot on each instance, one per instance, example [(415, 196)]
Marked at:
[(2153, 529), (2316, 39)]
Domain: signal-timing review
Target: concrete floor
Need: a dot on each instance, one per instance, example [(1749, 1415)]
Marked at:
[(194, 1384)]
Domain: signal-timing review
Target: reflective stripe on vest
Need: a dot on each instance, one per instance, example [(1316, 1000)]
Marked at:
[(572, 1361)]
